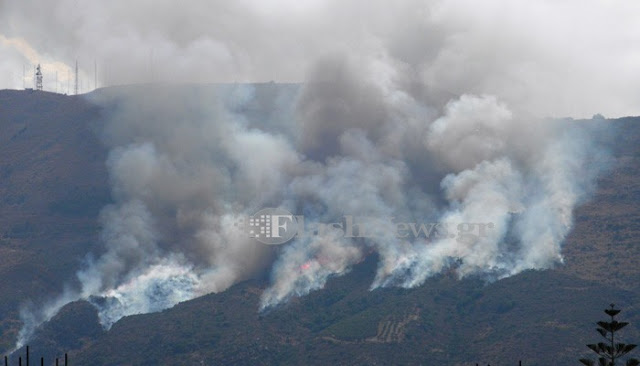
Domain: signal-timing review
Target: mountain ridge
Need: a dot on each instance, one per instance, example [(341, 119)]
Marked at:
[(54, 184)]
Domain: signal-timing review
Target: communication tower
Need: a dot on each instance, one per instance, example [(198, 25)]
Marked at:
[(38, 78)]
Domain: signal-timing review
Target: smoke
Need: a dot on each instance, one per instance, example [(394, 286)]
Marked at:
[(423, 113), (160, 286), (510, 177)]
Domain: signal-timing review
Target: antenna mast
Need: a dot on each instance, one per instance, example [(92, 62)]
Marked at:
[(76, 87)]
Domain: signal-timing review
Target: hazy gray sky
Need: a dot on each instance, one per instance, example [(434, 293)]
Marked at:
[(553, 57)]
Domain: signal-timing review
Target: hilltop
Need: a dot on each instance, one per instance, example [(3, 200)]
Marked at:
[(53, 184)]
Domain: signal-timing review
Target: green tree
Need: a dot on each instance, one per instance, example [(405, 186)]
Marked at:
[(610, 351)]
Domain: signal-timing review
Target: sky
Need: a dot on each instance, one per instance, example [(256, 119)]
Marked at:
[(582, 56)]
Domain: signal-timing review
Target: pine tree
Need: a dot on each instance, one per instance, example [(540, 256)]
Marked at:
[(611, 351)]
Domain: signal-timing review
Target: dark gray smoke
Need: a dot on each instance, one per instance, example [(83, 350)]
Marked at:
[(425, 113)]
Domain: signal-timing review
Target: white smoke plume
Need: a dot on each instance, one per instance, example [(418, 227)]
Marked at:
[(424, 112)]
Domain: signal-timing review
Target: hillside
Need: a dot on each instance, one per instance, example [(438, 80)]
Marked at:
[(53, 183), (605, 243), (528, 317), (446, 321)]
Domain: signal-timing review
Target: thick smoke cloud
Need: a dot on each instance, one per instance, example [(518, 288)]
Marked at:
[(514, 173), (422, 113)]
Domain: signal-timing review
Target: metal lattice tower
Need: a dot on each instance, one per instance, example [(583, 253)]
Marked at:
[(38, 78)]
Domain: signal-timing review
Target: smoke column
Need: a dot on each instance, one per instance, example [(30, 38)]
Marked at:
[(437, 117)]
